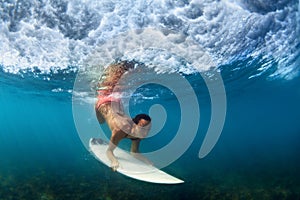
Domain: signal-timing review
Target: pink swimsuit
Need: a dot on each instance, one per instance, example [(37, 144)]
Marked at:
[(107, 97)]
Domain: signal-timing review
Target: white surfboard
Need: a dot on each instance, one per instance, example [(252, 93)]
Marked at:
[(131, 166)]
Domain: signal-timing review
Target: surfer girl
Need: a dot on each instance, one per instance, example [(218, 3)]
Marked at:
[(109, 109)]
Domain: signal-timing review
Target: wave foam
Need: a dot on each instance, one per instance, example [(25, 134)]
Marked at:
[(48, 34)]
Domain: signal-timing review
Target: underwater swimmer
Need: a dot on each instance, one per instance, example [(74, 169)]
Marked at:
[(109, 109)]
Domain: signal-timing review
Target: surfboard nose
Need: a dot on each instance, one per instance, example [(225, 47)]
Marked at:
[(96, 141)]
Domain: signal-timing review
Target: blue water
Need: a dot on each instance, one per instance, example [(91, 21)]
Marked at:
[(44, 50), (257, 155)]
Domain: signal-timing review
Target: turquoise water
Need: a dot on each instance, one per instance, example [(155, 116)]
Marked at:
[(256, 157), (52, 53)]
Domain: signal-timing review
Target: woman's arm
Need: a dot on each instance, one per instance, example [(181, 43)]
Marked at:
[(135, 152), (115, 138)]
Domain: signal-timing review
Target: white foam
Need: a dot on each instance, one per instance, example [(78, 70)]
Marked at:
[(219, 31)]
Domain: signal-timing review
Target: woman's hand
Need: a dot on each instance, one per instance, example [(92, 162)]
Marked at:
[(142, 158), (114, 165)]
